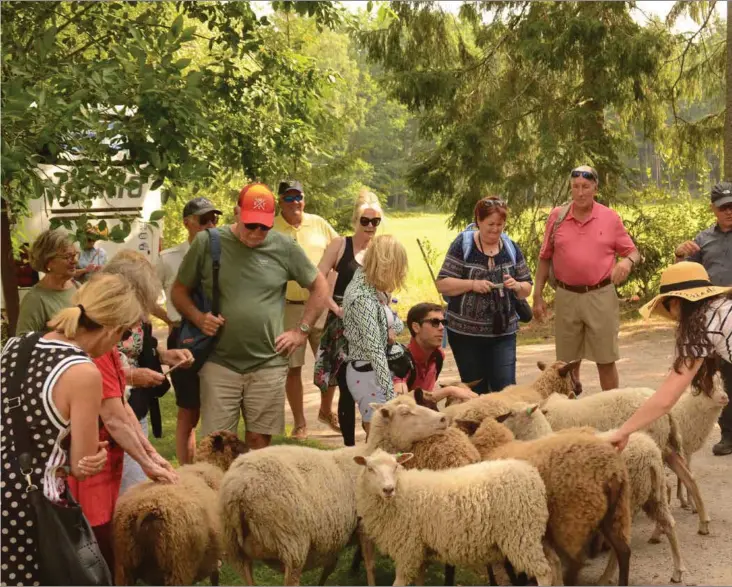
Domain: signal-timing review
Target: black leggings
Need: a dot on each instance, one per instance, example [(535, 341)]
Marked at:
[(346, 409)]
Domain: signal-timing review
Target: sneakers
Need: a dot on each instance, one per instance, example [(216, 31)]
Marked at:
[(723, 447), (330, 420)]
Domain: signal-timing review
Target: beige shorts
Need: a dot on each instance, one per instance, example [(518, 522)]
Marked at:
[(586, 325), (259, 395), (293, 315)]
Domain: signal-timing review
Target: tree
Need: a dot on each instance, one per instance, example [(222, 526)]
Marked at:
[(728, 109)]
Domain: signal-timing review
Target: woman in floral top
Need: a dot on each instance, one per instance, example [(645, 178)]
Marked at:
[(367, 376)]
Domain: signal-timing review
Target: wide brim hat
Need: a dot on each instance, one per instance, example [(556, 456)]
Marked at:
[(686, 280)]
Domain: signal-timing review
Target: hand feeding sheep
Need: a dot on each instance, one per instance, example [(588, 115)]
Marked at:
[(171, 534)]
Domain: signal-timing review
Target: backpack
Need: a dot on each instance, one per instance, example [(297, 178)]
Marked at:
[(563, 211), (189, 335)]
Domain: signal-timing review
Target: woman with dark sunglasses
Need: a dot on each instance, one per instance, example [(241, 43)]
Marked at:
[(483, 284)]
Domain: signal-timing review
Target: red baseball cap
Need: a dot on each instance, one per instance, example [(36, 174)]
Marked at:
[(257, 205)]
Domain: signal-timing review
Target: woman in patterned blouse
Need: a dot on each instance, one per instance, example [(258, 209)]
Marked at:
[(367, 374)]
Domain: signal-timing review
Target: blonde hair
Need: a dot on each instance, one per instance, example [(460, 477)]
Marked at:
[(46, 247), (141, 275), (108, 300), (365, 199), (385, 263)]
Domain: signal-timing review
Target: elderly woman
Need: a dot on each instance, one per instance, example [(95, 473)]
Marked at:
[(60, 392), (54, 254), (484, 276), (367, 376)]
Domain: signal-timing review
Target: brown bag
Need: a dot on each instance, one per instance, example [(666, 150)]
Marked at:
[(563, 211)]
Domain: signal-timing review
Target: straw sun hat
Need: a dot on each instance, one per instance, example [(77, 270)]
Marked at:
[(686, 280)]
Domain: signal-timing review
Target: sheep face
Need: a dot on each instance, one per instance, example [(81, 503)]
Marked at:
[(526, 421), (560, 377), (405, 423), (719, 396), (220, 448), (380, 473)]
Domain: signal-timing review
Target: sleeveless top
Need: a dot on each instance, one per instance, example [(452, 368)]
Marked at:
[(49, 360), (346, 267)]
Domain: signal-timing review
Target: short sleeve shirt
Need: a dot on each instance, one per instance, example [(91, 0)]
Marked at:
[(719, 331), (252, 283), (41, 304), (584, 252), (715, 254), (314, 235), (167, 268)]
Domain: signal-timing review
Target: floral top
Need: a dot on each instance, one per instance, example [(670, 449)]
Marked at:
[(132, 347), (366, 329)]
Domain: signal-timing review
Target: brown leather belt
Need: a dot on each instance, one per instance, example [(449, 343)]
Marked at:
[(299, 303), (584, 288)]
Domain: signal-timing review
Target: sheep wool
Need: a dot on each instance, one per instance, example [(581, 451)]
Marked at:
[(469, 516)]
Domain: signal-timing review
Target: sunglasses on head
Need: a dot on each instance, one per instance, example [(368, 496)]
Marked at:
[(372, 221), (494, 202), (435, 322), (292, 198), (586, 174), (256, 226)]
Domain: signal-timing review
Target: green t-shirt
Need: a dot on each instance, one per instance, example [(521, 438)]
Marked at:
[(252, 282), (41, 304)]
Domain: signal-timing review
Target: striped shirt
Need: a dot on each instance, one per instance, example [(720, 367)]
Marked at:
[(719, 331)]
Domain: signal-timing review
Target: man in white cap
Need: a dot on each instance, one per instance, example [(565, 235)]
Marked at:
[(713, 249)]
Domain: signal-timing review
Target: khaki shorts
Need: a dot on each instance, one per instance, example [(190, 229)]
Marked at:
[(259, 395), (293, 315), (586, 325)]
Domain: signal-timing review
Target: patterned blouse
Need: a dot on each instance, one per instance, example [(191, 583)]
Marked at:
[(366, 329), (474, 314)]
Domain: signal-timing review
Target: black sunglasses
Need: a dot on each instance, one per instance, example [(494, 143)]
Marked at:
[(210, 217), (372, 221), (435, 322), (586, 174), (293, 198), (256, 226)]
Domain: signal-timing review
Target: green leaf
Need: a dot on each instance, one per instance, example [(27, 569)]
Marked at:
[(156, 184), (177, 26), (157, 215), (182, 63)]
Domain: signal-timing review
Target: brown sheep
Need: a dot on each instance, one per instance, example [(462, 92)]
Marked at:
[(587, 487), (171, 534)]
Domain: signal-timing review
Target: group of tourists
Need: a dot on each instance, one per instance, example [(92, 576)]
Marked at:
[(85, 372)]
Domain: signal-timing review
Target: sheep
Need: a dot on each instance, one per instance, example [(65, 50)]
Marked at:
[(294, 507), (559, 377), (644, 462), (472, 515), (171, 534), (586, 481), (610, 409)]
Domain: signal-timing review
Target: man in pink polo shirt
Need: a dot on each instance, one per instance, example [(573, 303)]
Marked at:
[(583, 250)]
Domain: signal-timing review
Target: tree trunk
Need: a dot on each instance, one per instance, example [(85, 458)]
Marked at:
[(7, 271), (728, 112)]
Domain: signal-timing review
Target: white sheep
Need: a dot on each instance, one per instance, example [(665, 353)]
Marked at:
[(470, 516)]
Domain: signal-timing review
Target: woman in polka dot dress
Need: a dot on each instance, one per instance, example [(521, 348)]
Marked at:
[(61, 392)]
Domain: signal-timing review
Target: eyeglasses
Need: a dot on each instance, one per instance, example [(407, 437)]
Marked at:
[(435, 322), (372, 221), (586, 174), (67, 257), (293, 198), (725, 208), (256, 226)]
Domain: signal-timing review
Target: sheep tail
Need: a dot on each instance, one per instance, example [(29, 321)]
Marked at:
[(146, 519), (617, 517)]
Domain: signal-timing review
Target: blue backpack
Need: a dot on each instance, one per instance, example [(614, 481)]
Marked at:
[(189, 336)]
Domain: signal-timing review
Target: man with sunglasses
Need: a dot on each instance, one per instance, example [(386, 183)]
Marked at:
[(313, 234), (582, 241), (247, 370), (198, 215), (713, 249)]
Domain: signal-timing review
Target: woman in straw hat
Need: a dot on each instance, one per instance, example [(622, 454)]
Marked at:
[(703, 336)]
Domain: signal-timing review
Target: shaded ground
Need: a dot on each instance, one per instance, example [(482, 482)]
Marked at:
[(646, 350)]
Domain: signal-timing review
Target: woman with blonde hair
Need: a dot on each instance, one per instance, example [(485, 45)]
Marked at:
[(367, 376), (58, 394), (343, 256), (54, 254)]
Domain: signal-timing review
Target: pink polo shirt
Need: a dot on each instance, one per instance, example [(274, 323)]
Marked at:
[(584, 252)]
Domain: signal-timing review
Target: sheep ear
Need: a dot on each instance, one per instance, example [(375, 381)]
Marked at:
[(404, 457), (544, 411), (531, 409), (503, 417), (467, 426), (218, 442), (419, 396), (376, 407), (359, 460), (472, 384), (571, 366), (541, 365)]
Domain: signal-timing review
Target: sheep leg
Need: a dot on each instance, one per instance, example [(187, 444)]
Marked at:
[(215, 578), (554, 562), (327, 570), (357, 558), (610, 568), (573, 569), (492, 577), (449, 575), (420, 575), (368, 553), (407, 571), (292, 575), (246, 571), (682, 472), (656, 536), (621, 549)]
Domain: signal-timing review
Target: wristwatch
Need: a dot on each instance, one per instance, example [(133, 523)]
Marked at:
[(304, 328)]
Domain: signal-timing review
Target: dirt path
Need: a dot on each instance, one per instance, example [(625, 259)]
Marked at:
[(646, 352)]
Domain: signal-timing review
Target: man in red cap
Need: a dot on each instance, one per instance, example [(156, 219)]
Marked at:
[(248, 368)]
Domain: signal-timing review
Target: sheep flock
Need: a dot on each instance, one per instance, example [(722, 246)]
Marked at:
[(522, 485)]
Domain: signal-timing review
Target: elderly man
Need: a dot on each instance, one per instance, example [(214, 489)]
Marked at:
[(248, 368), (713, 249), (314, 235), (198, 215), (582, 241)]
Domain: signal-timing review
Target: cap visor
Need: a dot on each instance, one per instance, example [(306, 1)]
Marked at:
[(203, 211), (722, 201), (249, 217)]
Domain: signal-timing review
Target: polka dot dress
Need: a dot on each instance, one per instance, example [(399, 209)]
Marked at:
[(48, 361)]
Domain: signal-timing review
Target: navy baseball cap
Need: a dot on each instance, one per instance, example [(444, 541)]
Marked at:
[(199, 206), (722, 193), (289, 186)]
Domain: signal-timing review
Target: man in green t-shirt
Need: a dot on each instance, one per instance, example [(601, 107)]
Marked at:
[(248, 368)]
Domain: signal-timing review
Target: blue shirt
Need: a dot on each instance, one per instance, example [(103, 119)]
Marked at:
[(715, 254)]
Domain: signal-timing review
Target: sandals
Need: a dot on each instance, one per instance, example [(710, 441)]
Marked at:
[(299, 433), (330, 420)]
